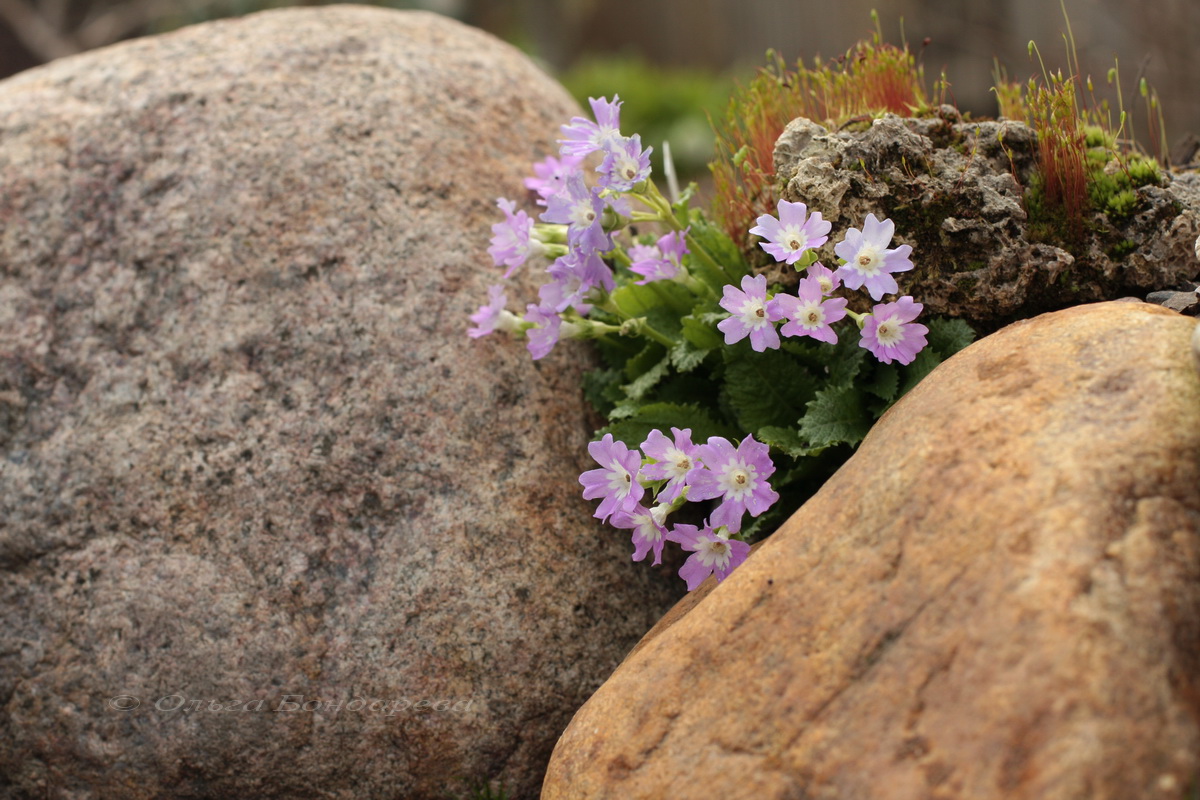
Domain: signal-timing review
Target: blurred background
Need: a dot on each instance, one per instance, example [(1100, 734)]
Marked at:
[(674, 60)]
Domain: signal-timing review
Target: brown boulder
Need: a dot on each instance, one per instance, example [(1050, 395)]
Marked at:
[(270, 524), (998, 596)]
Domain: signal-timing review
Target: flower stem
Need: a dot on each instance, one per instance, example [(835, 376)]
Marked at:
[(859, 319), (633, 326)]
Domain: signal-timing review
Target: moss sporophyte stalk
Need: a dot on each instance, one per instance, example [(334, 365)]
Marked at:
[(763, 390)]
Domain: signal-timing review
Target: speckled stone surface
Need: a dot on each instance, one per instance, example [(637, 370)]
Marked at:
[(251, 467), (998, 596)]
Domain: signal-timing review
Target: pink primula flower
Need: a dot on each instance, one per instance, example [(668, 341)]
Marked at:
[(584, 136), (512, 240), (660, 261), (793, 232), (493, 316), (808, 314), (869, 262), (616, 481), (674, 459), (648, 533), (750, 315), (890, 333), (736, 475), (551, 175), (712, 553)]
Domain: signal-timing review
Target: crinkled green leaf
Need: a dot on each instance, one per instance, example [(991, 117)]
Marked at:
[(769, 388), (637, 388), (634, 429), (650, 355), (624, 410), (662, 303), (602, 388), (846, 358), (840, 363), (788, 440), (702, 332), (714, 257), (883, 382), (836, 416), (692, 388), (685, 356), (948, 336), (617, 350)]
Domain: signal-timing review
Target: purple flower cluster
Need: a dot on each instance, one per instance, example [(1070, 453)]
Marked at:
[(660, 261), (682, 471), (577, 268), (888, 331)]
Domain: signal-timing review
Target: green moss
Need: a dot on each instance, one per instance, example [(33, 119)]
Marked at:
[(1113, 190), (1121, 249), (1047, 223), (1144, 171), (1095, 136), (1121, 205)]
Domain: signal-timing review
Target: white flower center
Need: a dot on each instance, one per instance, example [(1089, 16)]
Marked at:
[(646, 527), (868, 261), (715, 553), (582, 213), (626, 166), (620, 482), (794, 239), (754, 314), (811, 316), (605, 135), (826, 283), (737, 479), (678, 463), (890, 331)]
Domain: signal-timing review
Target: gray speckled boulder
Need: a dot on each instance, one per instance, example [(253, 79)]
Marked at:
[(251, 467)]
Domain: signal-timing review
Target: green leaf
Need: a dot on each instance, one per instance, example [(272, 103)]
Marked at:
[(637, 388), (788, 440), (769, 388), (645, 360), (662, 303), (845, 359), (663, 416), (685, 357), (624, 410), (617, 350), (714, 257), (698, 387), (948, 336), (840, 363), (836, 416), (701, 331), (883, 382), (602, 388)]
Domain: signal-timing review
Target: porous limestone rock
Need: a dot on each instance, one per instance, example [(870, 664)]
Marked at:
[(271, 526), (955, 191), (997, 596)]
